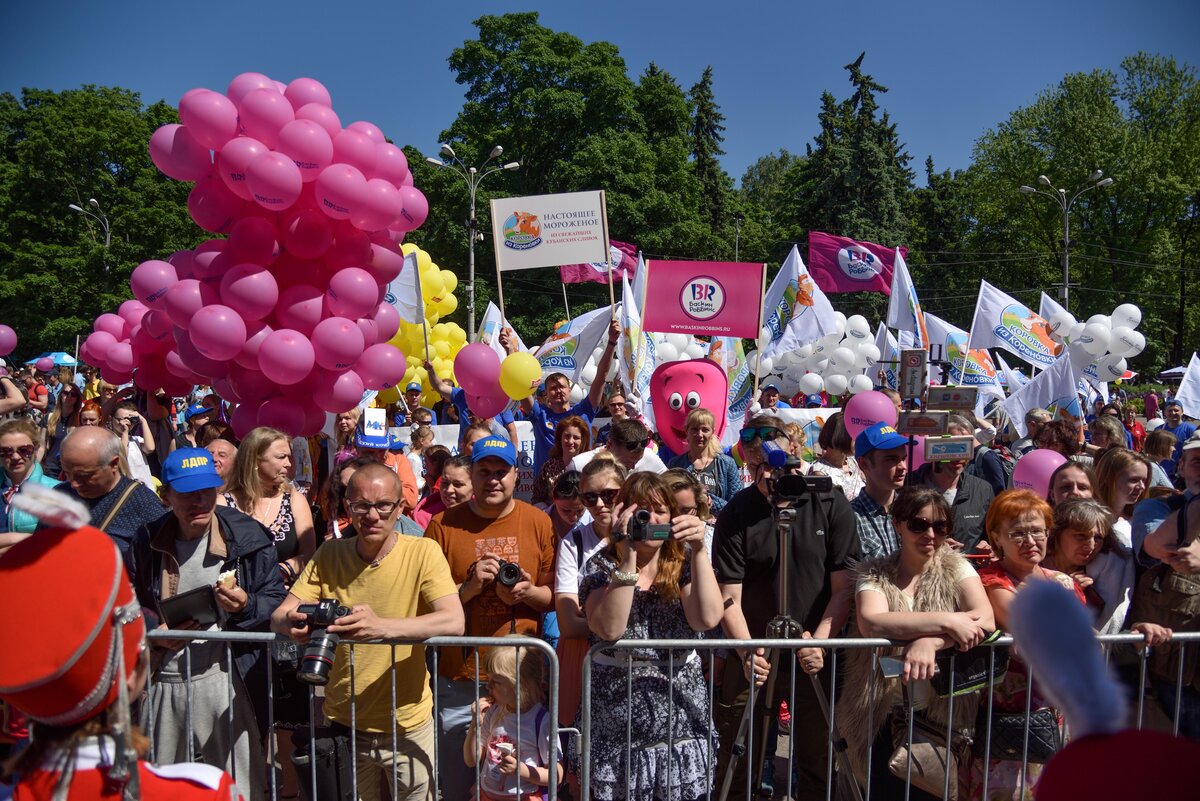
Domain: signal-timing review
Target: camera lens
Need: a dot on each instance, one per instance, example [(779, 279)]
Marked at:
[(317, 658), (509, 574)]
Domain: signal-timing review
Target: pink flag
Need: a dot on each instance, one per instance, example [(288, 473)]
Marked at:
[(839, 264), (622, 259)]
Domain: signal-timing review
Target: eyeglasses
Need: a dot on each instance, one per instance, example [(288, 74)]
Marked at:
[(1033, 534), (590, 499), (384, 508), (26, 451), (632, 446), (748, 435), (919, 525)]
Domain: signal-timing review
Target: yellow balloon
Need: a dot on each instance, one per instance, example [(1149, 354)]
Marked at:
[(440, 331), (408, 248), (422, 375), (449, 280), (448, 305), (520, 375), (457, 335), (441, 347), (388, 396), (433, 288), (424, 263)]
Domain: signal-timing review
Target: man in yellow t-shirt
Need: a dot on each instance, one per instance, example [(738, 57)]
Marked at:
[(396, 588)]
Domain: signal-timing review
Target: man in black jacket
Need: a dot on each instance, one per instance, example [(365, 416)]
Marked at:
[(229, 560)]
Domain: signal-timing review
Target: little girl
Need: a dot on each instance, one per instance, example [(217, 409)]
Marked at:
[(506, 741), (422, 440)]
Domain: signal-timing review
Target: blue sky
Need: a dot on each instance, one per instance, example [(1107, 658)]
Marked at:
[(954, 69)]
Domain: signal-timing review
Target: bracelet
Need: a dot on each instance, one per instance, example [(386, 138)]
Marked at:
[(620, 578)]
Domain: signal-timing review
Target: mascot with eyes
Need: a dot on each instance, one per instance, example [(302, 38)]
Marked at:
[(676, 388)]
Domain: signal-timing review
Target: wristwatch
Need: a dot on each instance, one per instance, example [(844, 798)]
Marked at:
[(619, 578)]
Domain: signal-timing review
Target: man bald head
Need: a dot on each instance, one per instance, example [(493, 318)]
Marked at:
[(91, 461), (375, 501)]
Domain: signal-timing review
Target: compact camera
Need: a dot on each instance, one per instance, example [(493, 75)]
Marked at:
[(640, 528), (317, 658), (509, 574)]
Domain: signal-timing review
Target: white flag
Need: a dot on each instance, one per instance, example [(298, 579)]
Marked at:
[(1189, 389), (404, 292), (796, 310), (1001, 321), (974, 369), (1048, 307), (639, 281), (567, 350), (1055, 388), (635, 360), (904, 309), (889, 351), (490, 328), (1015, 378)]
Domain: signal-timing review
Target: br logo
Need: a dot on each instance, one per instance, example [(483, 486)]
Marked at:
[(858, 263), (702, 298)]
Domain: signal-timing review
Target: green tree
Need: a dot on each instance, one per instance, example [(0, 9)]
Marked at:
[(707, 136), (64, 148)]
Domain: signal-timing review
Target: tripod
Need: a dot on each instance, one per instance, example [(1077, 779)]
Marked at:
[(781, 627)]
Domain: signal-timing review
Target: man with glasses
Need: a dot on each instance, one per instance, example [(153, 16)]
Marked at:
[(396, 588), (629, 443), (823, 542), (882, 456), (501, 554)]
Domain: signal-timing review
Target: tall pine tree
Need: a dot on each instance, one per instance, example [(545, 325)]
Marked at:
[(707, 136)]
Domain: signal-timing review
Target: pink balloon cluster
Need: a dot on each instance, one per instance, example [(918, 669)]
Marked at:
[(286, 316)]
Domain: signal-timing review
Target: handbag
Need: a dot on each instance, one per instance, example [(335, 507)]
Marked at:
[(971, 668), (932, 759), (1008, 734)]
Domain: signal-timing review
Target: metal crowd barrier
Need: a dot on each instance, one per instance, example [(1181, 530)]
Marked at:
[(265, 640), (836, 646)]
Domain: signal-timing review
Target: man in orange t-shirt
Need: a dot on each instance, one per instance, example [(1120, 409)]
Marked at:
[(483, 539)]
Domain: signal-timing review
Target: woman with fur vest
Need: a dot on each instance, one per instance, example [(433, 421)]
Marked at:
[(927, 594)]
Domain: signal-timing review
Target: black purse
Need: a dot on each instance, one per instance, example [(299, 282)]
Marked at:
[(971, 668), (1008, 734)]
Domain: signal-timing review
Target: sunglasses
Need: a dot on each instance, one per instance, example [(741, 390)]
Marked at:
[(765, 433), (633, 446), (919, 525), (590, 499), (26, 452)]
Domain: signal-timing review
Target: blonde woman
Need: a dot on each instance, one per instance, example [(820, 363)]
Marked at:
[(716, 472), (1122, 477)]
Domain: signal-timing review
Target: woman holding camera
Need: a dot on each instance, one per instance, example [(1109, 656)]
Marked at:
[(652, 580)]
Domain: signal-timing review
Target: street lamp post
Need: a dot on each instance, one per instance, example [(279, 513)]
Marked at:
[(737, 232), (473, 177), (100, 217), (1059, 196)]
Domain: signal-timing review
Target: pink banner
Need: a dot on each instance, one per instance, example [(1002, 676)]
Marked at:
[(708, 298), (839, 264), (622, 259)]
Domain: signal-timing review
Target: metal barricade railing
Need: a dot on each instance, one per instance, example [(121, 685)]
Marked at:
[(835, 647), (233, 731)]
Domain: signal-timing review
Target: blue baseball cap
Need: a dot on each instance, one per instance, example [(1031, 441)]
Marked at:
[(814, 401), (500, 447), (378, 442), (413, 387), (880, 437), (196, 409), (190, 469)]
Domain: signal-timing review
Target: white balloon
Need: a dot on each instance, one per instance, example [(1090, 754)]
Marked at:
[(588, 375), (840, 320), (752, 360), (857, 328), (612, 370), (868, 355), (836, 384), (576, 394), (765, 365), (1137, 344), (811, 383), (666, 353), (764, 333), (678, 341), (829, 341), (788, 386), (842, 359), (695, 351), (793, 374), (1127, 315), (1076, 330), (803, 352), (1111, 367), (1061, 322), (860, 383), (818, 365), (1094, 338), (1121, 341), (1100, 319)]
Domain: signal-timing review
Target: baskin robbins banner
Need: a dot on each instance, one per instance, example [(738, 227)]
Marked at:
[(839, 264), (550, 230), (706, 298)]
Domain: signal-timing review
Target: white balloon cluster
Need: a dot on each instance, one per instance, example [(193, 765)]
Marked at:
[(836, 363), (1107, 340), (667, 348)]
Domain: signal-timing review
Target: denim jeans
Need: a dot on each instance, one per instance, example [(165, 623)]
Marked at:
[(1189, 707)]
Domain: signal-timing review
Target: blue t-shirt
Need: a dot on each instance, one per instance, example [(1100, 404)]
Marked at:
[(459, 399), (545, 421), (401, 417), (1181, 433)]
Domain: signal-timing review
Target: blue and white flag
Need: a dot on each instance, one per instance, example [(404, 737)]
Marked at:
[(795, 310), (567, 350)]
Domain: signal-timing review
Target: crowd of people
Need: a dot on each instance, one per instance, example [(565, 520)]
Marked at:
[(620, 540)]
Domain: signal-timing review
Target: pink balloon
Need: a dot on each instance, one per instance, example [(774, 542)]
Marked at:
[(370, 129), (251, 385), (321, 115), (212, 263), (337, 343), (181, 260), (284, 414), (151, 280), (8, 340), (307, 144), (175, 365), (390, 163), (918, 452), (157, 323), (274, 181), (381, 366), (314, 419), (233, 160), (339, 393), (115, 377), (1033, 470), (352, 293), (370, 330), (224, 389), (256, 332), (488, 405), (98, 344), (114, 325), (187, 297), (300, 307), (866, 409), (244, 419), (415, 208), (44, 364), (144, 344), (306, 233), (408, 180), (214, 207), (132, 312), (178, 155), (303, 91), (210, 116), (254, 239), (246, 83), (383, 263), (286, 356), (388, 320), (378, 208), (351, 247), (262, 113), (477, 369), (250, 291), (304, 389), (338, 188), (150, 377), (356, 149), (218, 332), (119, 358)]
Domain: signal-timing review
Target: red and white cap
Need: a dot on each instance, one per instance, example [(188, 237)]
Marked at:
[(70, 608)]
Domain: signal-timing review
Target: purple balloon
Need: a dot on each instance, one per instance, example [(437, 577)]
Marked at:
[(384, 263), (284, 414), (1034, 469), (8, 340), (300, 307), (187, 297), (233, 160), (132, 312), (244, 419), (477, 369), (303, 91), (45, 364), (119, 358), (210, 116), (254, 239), (262, 113), (286, 356), (388, 320), (178, 155), (866, 409), (251, 385), (112, 324), (256, 332)]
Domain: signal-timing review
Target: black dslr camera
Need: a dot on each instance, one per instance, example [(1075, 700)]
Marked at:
[(317, 658), (642, 530), (509, 574)]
